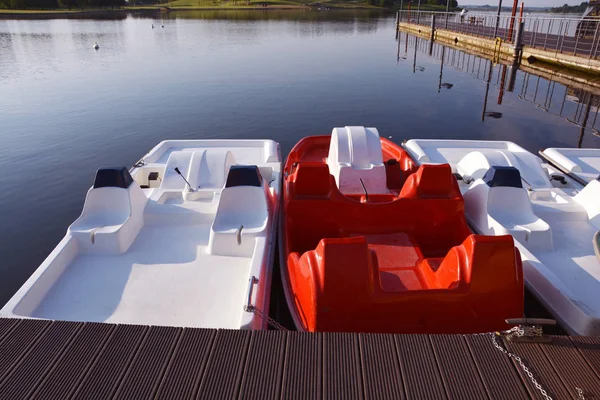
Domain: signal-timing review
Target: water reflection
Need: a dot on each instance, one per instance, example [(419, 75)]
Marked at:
[(577, 103)]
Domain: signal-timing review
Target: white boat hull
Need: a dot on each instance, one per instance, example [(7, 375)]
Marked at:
[(168, 255), (552, 218)]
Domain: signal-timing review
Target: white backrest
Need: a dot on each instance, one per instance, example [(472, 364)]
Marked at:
[(241, 205), (589, 199), (107, 205), (209, 168), (476, 163), (181, 160), (355, 155)]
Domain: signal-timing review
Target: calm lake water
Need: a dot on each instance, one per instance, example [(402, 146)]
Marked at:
[(66, 110)]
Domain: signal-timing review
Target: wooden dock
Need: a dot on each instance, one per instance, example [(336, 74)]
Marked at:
[(69, 360)]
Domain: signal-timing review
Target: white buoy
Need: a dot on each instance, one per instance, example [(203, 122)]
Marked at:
[(95, 46)]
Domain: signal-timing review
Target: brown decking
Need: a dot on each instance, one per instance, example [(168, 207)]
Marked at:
[(65, 360)]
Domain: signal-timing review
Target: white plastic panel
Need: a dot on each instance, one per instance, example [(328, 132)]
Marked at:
[(582, 163), (354, 156)]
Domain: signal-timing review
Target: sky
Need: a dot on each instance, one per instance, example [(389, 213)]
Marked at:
[(528, 3)]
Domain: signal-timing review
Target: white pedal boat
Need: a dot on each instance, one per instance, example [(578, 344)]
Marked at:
[(153, 248), (583, 165), (552, 218)]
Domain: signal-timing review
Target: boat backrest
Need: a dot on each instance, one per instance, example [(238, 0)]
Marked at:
[(312, 180), (588, 199), (431, 181), (242, 214), (209, 168), (355, 155), (477, 163), (177, 159), (113, 211)]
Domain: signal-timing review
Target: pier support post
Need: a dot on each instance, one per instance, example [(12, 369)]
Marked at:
[(432, 34), (397, 23), (498, 19), (518, 49)]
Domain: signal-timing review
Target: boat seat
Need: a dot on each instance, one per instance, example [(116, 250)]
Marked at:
[(343, 284), (112, 213), (312, 180), (509, 208), (242, 213), (355, 155), (431, 181)]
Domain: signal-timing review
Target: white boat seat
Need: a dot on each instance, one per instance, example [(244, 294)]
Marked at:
[(112, 213), (242, 214), (507, 208), (355, 155)]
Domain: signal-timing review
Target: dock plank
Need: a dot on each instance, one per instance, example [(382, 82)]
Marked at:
[(223, 373), (381, 371), (498, 373), (572, 368), (182, 378), (143, 376), (589, 348), (541, 368), (17, 342), (342, 376), (67, 372), (25, 377), (303, 366), (262, 374), (105, 374), (420, 369), (6, 324), (457, 367)]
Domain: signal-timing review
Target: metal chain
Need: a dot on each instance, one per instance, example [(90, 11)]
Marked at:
[(264, 316), (518, 359)]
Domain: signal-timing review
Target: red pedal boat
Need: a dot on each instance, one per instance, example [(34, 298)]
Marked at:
[(372, 243)]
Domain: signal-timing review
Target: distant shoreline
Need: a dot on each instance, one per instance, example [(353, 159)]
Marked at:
[(107, 13)]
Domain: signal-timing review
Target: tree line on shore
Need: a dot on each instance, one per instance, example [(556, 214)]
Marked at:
[(54, 4), (564, 9)]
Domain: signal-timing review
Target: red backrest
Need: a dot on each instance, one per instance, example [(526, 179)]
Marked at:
[(431, 181), (312, 180)]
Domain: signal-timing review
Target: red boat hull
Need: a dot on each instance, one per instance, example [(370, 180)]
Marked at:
[(403, 262)]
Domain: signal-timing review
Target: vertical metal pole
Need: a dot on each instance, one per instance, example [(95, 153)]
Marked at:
[(560, 28), (535, 28), (576, 42), (418, 11), (397, 23), (498, 18), (547, 33), (447, 12), (594, 41), (441, 69), (512, 19), (518, 42), (432, 34)]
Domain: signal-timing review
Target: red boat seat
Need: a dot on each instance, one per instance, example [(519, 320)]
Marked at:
[(355, 286), (431, 181), (312, 179)]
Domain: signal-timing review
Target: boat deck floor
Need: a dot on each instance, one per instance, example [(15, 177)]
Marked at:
[(66, 360), (165, 278)]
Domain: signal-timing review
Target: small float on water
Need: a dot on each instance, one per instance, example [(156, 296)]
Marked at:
[(371, 242), (95, 46), (185, 238), (553, 216)]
